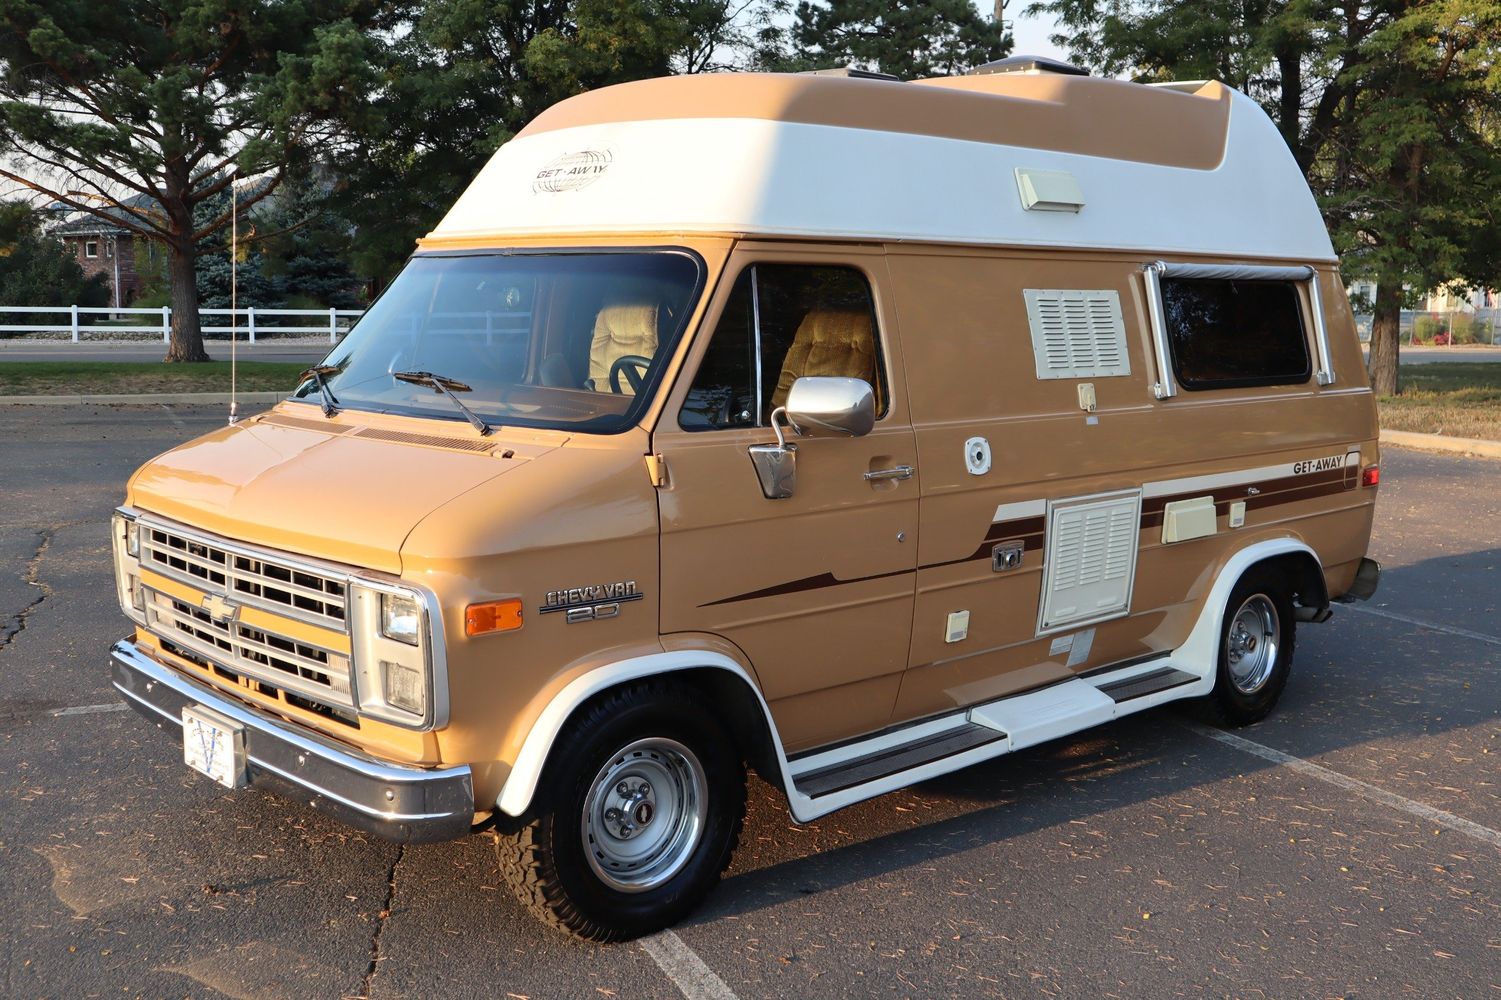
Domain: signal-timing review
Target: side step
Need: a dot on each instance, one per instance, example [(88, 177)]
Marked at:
[(829, 778), (880, 763), (1144, 684)]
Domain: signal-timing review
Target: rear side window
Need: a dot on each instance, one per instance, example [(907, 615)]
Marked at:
[(782, 322), (1224, 334)]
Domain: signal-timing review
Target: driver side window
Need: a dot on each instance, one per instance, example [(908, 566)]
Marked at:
[(782, 322)]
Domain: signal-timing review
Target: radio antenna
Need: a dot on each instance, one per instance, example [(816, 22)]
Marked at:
[(234, 314)]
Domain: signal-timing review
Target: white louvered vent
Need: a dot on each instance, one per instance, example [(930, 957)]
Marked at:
[(1091, 561), (1077, 333)]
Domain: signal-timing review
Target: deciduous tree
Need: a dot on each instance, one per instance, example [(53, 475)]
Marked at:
[(35, 269)]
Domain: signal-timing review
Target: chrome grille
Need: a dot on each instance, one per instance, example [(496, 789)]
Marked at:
[(289, 665), (246, 576)]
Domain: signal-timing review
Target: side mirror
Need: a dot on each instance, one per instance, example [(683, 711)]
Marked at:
[(817, 406), (825, 406)]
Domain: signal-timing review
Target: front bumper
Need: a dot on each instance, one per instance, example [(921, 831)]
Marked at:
[(393, 801)]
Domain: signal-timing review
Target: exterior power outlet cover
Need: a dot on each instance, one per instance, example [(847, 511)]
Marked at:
[(958, 627), (977, 456), (1087, 401), (1238, 514)]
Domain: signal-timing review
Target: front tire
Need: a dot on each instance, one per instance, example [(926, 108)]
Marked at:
[(1257, 637), (637, 813)]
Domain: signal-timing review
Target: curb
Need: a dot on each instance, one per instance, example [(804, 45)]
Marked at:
[(1442, 442), (143, 399)]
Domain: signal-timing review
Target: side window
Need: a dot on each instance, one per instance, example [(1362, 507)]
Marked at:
[(782, 322), (1225, 333)]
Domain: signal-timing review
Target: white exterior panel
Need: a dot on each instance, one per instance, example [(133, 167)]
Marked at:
[(757, 176)]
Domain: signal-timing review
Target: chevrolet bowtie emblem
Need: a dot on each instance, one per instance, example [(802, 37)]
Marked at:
[(220, 609)]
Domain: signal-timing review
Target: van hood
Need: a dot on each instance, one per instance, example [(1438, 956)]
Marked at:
[(337, 489)]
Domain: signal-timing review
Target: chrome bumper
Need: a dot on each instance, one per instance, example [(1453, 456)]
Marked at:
[(392, 801)]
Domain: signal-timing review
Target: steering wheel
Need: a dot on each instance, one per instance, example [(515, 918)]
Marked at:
[(634, 366)]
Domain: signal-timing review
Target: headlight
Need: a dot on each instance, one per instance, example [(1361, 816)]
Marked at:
[(125, 539), (396, 637), (404, 687), (400, 618)]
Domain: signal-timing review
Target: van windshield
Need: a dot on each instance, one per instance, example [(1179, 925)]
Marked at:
[(567, 340)]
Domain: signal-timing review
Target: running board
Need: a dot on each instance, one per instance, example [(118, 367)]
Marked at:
[(1142, 685), (830, 779), (882, 762)]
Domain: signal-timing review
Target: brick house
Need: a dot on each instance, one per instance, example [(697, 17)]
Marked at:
[(100, 247)]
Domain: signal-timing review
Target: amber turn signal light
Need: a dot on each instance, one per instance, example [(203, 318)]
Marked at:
[(1371, 475), (493, 616)]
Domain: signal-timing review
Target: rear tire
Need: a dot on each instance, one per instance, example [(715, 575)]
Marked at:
[(1257, 638), (638, 811)]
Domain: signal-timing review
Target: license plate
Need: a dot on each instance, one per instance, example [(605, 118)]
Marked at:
[(213, 745)]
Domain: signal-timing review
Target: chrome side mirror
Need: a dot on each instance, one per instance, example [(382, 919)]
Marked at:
[(817, 406), (825, 406)]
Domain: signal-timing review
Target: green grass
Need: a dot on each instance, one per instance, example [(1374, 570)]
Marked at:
[(66, 378), (1454, 398)]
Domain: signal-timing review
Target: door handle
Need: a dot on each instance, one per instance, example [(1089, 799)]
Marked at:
[(900, 472)]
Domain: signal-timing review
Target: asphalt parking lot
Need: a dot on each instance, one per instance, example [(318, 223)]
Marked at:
[(1350, 846)]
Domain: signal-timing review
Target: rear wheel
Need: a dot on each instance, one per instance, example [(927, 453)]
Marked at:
[(637, 813), (1257, 637)]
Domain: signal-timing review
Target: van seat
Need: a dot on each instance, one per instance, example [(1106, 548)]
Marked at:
[(620, 330), (829, 342)]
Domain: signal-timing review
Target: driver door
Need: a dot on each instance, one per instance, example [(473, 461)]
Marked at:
[(816, 589)]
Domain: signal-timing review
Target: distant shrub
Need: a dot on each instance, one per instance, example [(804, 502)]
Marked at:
[(1463, 329), (1427, 330)]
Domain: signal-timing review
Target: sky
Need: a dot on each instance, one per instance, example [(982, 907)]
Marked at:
[(1032, 33)]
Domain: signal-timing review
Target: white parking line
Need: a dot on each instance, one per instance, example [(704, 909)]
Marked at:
[(1450, 629), (694, 979), (114, 706), (176, 421), (1424, 812)]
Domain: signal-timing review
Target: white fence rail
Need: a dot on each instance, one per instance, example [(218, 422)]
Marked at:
[(249, 321)]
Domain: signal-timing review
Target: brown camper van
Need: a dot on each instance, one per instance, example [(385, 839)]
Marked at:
[(848, 429)]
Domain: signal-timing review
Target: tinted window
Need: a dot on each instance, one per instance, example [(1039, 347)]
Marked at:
[(565, 340), (1235, 333), (806, 320)]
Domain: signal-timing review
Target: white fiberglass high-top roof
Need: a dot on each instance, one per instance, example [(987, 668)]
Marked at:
[(1157, 170)]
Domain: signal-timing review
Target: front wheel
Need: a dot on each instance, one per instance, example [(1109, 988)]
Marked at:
[(1257, 637), (637, 813)]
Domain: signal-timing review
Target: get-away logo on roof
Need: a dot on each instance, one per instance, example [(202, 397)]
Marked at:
[(572, 171)]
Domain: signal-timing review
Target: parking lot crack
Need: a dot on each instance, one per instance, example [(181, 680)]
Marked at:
[(380, 924), (16, 623)]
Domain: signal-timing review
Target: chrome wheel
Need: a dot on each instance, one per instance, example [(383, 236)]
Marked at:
[(1251, 643), (644, 814)]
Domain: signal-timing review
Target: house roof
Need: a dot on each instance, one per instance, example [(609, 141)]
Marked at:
[(88, 225), (91, 224)]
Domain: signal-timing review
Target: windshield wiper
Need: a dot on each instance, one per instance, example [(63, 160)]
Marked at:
[(316, 373), (447, 387)]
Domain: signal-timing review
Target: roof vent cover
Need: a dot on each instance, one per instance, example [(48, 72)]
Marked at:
[(1028, 64), (852, 73)]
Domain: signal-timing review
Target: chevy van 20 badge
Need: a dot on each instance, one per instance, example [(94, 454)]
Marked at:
[(860, 431)]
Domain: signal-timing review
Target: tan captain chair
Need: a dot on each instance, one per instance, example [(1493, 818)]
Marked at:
[(830, 342), (620, 331)]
